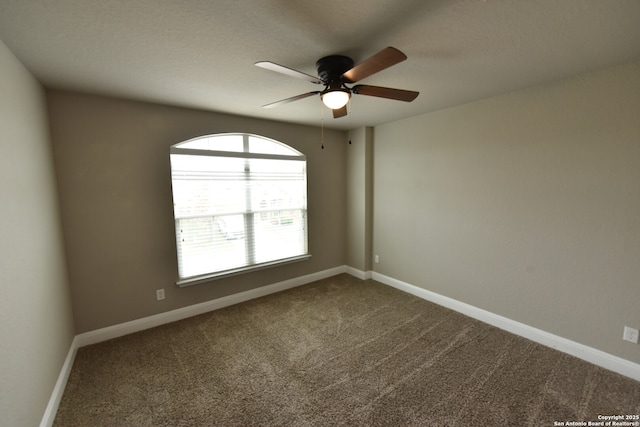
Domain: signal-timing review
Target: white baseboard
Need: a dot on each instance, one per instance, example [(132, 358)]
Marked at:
[(137, 325), (581, 351), (362, 275), (58, 390)]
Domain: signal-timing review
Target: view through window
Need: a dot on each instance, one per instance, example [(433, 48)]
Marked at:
[(240, 202)]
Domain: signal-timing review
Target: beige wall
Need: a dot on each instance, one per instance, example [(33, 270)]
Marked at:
[(112, 164), (526, 205), (36, 325)]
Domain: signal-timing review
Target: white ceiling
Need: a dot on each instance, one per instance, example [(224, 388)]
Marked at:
[(200, 53)]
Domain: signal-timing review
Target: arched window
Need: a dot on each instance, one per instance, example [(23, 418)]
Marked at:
[(240, 203)]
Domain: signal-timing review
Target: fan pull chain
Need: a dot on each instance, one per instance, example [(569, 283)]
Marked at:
[(321, 125), (350, 114)]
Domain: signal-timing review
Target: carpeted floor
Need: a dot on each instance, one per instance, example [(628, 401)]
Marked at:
[(336, 352)]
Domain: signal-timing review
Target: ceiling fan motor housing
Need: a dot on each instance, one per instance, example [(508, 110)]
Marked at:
[(330, 68)]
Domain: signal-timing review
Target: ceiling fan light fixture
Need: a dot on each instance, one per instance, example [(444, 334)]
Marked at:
[(335, 99)]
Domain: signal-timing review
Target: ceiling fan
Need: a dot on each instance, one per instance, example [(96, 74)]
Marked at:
[(337, 71)]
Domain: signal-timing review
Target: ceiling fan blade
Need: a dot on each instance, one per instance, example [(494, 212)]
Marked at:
[(288, 100), (385, 92), (378, 62), (340, 112), (288, 71)]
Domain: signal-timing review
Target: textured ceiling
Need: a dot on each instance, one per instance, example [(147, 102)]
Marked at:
[(200, 53)]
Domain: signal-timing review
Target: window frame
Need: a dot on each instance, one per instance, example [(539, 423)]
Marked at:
[(248, 213)]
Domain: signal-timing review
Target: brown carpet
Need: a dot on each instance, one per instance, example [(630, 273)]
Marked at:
[(336, 352)]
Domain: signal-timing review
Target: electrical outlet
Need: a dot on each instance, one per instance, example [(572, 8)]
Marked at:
[(630, 334), (376, 259), (160, 294)]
